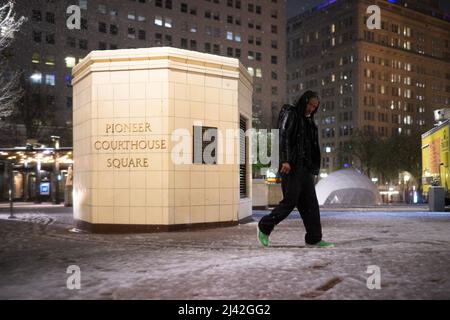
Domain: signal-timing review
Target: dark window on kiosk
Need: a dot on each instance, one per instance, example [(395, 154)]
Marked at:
[(204, 138)]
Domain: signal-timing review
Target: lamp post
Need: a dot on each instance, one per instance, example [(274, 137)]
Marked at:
[(56, 173), (11, 191), (10, 174), (38, 180)]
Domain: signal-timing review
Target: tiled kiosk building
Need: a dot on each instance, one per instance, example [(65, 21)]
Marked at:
[(138, 120)]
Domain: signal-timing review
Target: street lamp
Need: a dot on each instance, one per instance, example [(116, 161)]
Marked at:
[(10, 173), (56, 173), (406, 178), (38, 178), (11, 191)]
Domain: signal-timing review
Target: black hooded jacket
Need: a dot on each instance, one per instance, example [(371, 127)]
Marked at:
[(299, 146)]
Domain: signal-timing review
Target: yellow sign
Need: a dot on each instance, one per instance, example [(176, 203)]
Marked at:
[(435, 155)]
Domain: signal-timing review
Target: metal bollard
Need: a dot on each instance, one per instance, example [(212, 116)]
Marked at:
[(11, 191)]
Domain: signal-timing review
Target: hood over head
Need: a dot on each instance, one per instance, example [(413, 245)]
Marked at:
[(303, 101)]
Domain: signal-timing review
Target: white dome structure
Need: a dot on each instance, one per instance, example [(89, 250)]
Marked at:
[(347, 187)]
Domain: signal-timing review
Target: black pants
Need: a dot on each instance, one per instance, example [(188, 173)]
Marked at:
[(298, 190)]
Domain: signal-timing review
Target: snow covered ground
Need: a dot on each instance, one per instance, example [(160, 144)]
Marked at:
[(411, 248)]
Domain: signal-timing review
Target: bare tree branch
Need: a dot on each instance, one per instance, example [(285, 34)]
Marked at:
[(9, 24), (10, 92)]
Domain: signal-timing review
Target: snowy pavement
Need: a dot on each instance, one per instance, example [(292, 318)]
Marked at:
[(411, 248)]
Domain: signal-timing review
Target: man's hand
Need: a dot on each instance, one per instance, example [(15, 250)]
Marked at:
[(285, 167)]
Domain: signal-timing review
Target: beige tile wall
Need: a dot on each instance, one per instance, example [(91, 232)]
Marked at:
[(170, 89)]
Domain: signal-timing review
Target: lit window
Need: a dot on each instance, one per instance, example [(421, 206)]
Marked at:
[(131, 16), (36, 58), (237, 37), (158, 21), (70, 62), (36, 78), (131, 33), (407, 80), (251, 71), (168, 23), (407, 120), (50, 60), (141, 18), (50, 79), (407, 45), (83, 4), (258, 73), (407, 31), (229, 35)]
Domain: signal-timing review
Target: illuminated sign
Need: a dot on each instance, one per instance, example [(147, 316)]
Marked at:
[(326, 4), (44, 188)]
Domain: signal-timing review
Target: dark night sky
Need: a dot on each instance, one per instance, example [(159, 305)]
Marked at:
[(295, 7), (445, 4)]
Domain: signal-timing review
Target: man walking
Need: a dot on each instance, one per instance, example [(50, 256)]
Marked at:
[(299, 162)]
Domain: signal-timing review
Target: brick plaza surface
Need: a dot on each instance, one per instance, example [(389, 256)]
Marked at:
[(410, 246)]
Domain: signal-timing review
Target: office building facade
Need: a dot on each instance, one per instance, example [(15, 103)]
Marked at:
[(46, 49), (383, 81)]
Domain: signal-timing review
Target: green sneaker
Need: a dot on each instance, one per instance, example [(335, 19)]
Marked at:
[(262, 238), (321, 244)]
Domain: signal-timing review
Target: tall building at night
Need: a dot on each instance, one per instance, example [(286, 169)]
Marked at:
[(251, 30), (385, 81)]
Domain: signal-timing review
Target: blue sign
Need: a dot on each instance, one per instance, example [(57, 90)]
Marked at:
[(45, 188)]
